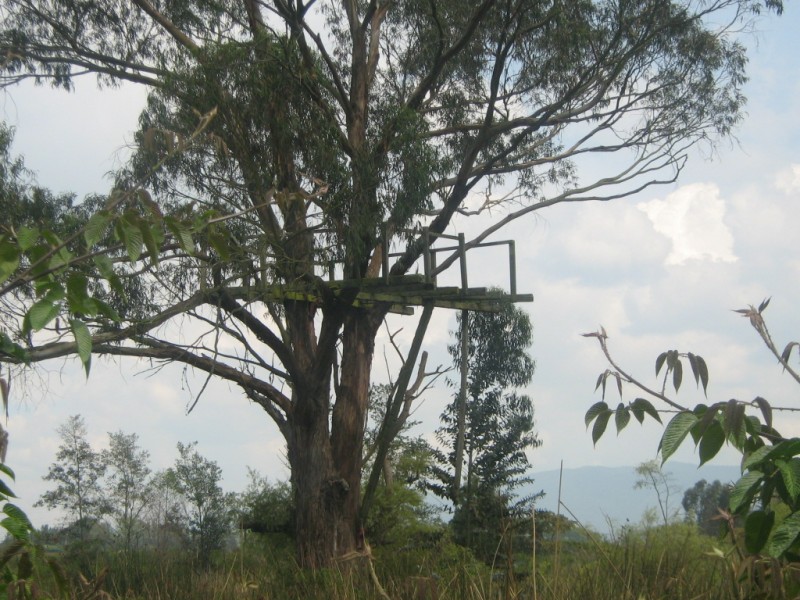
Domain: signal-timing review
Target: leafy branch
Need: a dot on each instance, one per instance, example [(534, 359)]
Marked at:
[(767, 496)]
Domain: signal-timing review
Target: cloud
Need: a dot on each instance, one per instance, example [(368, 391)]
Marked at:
[(692, 218), (788, 180)]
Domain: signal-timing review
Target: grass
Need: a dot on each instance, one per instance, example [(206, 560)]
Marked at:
[(674, 562)]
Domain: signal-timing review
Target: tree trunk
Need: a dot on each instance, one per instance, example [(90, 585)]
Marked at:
[(326, 467), (318, 494)]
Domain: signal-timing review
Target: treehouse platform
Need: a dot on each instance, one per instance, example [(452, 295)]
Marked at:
[(405, 292)]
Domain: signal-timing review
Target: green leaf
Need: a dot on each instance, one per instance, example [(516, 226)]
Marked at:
[(744, 490), (765, 408), (733, 423), (677, 375), (593, 411), (220, 243), (7, 470), (5, 491), (132, 238), (83, 339), (787, 448), (757, 457), (622, 417), (600, 426), (27, 237), (790, 474), (15, 512), (9, 258), (106, 310), (182, 234), (16, 528), (660, 362), (757, 527), (41, 313), (784, 535), (77, 295), (674, 434), (646, 407), (787, 352), (96, 227), (152, 237), (711, 442), (702, 367)]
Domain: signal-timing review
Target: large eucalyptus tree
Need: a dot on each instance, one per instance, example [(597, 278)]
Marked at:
[(338, 122)]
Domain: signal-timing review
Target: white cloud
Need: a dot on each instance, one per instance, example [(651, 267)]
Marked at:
[(788, 180), (692, 218)]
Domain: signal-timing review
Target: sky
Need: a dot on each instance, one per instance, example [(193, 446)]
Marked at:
[(660, 270)]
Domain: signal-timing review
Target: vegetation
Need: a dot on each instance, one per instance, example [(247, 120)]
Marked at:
[(487, 428), (342, 129), (766, 499), (705, 504)]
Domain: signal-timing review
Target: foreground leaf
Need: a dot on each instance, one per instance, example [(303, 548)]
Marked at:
[(676, 431), (784, 536)]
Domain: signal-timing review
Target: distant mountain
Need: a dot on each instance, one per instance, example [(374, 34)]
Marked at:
[(602, 497)]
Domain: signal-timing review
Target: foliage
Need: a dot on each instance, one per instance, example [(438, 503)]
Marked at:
[(498, 429), (127, 485), (76, 475), (652, 476), (65, 261), (399, 511), (704, 503), (342, 130), (266, 507), (767, 496), (204, 506)]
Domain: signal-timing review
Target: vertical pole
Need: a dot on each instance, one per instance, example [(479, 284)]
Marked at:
[(462, 255), (426, 254), (461, 418), (385, 248), (512, 268)]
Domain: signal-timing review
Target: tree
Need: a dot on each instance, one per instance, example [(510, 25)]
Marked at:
[(398, 510), (164, 514), (77, 475), (652, 476), (703, 503), (498, 423), (341, 130), (266, 507), (204, 506), (127, 485)]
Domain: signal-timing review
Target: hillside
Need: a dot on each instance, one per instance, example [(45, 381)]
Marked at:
[(602, 497)]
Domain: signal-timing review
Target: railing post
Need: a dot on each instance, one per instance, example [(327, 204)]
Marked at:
[(463, 262)]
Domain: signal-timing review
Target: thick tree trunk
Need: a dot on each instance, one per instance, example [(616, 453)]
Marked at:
[(318, 494), (326, 461)]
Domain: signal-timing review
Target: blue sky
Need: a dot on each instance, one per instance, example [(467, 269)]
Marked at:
[(660, 270)]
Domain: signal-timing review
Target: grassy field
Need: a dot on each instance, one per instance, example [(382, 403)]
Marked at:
[(674, 562)]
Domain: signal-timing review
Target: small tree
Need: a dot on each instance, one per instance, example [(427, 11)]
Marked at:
[(127, 485), (704, 503), (652, 476), (497, 425), (203, 503), (266, 507), (164, 514), (76, 475)]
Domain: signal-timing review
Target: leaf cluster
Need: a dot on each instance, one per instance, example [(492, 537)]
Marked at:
[(767, 496)]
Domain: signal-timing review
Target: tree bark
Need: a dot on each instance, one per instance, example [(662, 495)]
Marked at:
[(326, 459)]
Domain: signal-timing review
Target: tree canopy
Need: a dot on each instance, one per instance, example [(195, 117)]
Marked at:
[(341, 128)]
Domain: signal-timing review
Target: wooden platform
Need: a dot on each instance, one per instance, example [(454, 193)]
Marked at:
[(402, 293)]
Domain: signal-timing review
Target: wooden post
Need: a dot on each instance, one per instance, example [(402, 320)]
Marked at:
[(461, 418)]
